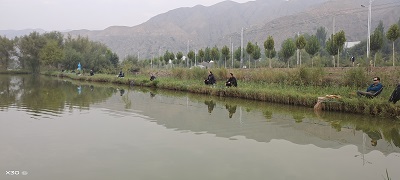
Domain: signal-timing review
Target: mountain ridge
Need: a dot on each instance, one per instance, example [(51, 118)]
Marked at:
[(201, 26)]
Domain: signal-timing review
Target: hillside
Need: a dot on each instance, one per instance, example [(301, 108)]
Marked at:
[(200, 26)]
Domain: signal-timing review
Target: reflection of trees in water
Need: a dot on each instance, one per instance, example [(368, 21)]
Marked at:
[(336, 125), (389, 129), (374, 128), (39, 93), (8, 93), (211, 104), (298, 117), (231, 109), (267, 114)]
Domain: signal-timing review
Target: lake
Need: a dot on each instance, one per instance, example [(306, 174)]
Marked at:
[(52, 128)]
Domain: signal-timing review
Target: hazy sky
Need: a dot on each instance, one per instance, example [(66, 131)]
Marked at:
[(86, 14)]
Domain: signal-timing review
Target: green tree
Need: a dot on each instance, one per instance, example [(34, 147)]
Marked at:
[(171, 56), (312, 48), (201, 54), (287, 50), (332, 48), (51, 54), (321, 36), (190, 56), (393, 34), (55, 36), (130, 64), (377, 39), (113, 58), (249, 50), (237, 53), (215, 53), (339, 40), (6, 51), (30, 47), (207, 54), (179, 57), (256, 55), (167, 56), (300, 44), (269, 46), (225, 53)]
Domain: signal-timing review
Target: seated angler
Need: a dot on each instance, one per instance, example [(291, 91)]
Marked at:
[(152, 77), (121, 74), (231, 81), (373, 90), (210, 79)]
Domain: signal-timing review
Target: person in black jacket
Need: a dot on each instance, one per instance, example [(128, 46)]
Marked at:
[(395, 95), (210, 79), (231, 81)]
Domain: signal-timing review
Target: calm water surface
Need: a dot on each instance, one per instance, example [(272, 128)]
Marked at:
[(62, 130)]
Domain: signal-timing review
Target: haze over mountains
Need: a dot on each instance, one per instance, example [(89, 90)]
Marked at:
[(200, 27)]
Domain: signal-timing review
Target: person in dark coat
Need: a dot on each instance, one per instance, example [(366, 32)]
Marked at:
[(395, 95), (210, 79), (231, 81), (121, 74), (152, 77)]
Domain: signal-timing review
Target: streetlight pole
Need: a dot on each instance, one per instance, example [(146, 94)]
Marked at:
[(187, 55), (369, 27), (241, 50), (231, 52)]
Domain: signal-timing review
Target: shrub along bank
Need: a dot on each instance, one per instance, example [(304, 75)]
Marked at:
[(296, 86)]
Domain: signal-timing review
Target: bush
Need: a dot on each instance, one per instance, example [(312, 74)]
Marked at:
[(355, 77)]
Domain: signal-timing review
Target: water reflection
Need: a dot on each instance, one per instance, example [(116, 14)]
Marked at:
[(231, 109), (152, 123), (43, 96), (46, 96), (210, 105)]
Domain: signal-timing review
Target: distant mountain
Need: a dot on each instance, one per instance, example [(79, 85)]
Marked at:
[(17, 33), (199, 27)]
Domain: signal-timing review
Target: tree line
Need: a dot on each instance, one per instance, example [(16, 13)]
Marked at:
[(52, 51), (318, 47)]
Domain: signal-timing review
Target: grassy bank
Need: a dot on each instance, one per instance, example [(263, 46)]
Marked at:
[(300, 86)]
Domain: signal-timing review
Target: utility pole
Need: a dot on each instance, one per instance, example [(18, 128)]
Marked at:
[(241, 51), (231, 51), (298, 61), (369, 27)]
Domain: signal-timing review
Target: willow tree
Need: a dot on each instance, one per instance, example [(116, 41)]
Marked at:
[(312, 48), (300, 44), (29, 49), (269, 46), (392, 34), (7, 49)]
